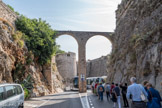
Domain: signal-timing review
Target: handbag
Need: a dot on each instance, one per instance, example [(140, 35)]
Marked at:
[(143, 97), (153, 103)]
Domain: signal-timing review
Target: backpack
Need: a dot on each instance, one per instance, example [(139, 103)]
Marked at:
[(100, 89), (108, 88)]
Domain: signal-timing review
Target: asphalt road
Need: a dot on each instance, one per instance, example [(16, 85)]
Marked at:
[(62, 100), (70, 99), (95, 103)]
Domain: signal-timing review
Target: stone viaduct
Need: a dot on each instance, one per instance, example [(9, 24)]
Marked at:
[(8, 16), (82, 37)]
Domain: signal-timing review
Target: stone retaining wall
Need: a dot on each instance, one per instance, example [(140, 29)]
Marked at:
[(97, 67)]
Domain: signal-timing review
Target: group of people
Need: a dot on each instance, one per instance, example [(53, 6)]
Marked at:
[(140, 96)]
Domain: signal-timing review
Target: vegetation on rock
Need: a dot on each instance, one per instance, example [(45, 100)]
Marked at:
[(39, 38)]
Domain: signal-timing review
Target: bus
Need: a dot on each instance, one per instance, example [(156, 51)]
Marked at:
[(75, 83), (90, 80)]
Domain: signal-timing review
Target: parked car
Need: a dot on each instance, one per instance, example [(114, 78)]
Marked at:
[(11, 96)]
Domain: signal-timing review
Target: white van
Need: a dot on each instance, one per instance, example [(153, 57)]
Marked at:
[(11, 96)]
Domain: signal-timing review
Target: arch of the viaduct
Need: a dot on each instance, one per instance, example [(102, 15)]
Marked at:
[(82, 37)]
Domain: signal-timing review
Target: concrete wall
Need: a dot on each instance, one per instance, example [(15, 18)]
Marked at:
[(66, 64), (97, 67)]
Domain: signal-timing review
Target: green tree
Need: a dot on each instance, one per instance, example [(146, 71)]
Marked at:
[(39, 38)]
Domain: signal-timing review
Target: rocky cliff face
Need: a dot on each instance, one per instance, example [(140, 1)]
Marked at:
[(97, 67), (138, 43), (11, 55), (18, 64)]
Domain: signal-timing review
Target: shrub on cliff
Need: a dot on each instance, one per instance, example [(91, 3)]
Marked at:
[(18, 38), (39, 38)]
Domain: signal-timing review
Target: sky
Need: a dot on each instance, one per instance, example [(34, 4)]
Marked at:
[(75, 15)]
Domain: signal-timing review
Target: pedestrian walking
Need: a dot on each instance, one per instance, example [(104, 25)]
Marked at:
[(96, 90), (107, 88), (114, 98), (101, 91), (135, 92), (144, 84), (117, 93), (93, 86), (112, 86), (153, 97), (124, 92)]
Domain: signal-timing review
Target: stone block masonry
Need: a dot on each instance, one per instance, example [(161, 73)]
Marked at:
[(66, 64), (82, 38), (97, 67)]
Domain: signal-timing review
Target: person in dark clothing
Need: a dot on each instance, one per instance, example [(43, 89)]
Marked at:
[(101, 90), (112, 86), (153, 94), (116, 90), (144, 84), (124, 92), (107, 89)]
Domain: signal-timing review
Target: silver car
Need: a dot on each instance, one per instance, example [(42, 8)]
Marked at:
[(11, 96)]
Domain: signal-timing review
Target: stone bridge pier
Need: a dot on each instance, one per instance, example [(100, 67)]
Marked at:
[(82, 37)]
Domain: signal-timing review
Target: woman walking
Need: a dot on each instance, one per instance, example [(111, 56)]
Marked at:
[(153, 97)]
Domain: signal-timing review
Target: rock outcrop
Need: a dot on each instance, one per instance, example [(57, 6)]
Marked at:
[(11, 54), (138, 43), (18, 64)]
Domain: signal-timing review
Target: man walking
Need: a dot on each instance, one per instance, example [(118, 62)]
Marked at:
[(112, 86), (101, 91), (124, 91), (117, 93), (108, 87), (134, 92)]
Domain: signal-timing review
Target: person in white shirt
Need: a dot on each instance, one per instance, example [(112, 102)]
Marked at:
[(134, 92)]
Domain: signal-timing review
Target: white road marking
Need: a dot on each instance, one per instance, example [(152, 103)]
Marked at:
[(30, 105), (81, 100), (84, 98)]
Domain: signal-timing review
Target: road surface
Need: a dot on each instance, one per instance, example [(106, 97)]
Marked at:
[(61, 100), (70, 99), (95, 103)]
